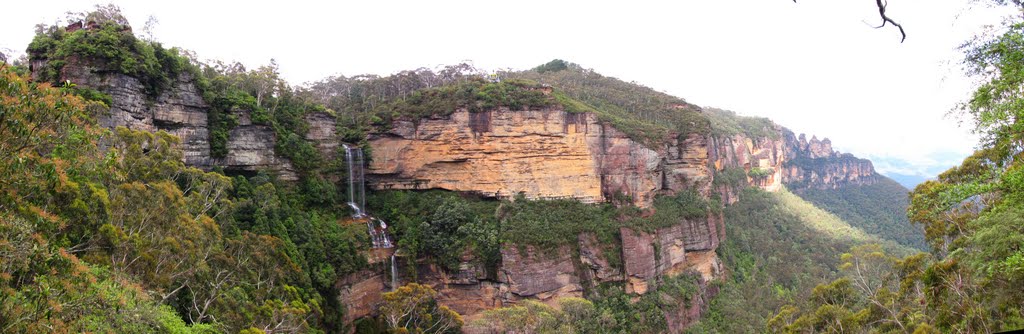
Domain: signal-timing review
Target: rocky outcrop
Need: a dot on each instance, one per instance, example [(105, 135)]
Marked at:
[(668, 251), (546, 275), (786, 159), (181, 111), (529, 272), (813, 164), (542, 154), (361, 293), (323, 134), (690, 310), (745, 153)]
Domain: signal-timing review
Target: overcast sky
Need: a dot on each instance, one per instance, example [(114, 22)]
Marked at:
[(815, 66)]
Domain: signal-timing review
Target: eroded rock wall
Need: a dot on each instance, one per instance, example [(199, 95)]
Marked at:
[(181, 111), (542, 154), (548, 275), (744, 153), (813, 164)]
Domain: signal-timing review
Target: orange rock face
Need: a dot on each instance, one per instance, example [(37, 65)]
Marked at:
[(745, 153), (541, 154)]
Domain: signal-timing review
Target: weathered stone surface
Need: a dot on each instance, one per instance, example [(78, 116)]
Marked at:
[(596, 266), (701, 234), (689, 312), (323, 133), (181, 111), (251, 148), (792, 159), (638, 258), (671, 250), (361, 293), (706, 263), (466, 293), (813, 164), (499, 154), (538, 274), (745, 153), (545, 153)]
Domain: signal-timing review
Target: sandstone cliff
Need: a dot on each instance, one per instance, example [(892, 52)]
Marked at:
[(541, 154), (813, 164), (181, 111), (547, 275), (785, 158), (742, 153)]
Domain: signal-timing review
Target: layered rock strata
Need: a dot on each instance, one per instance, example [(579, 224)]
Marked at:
[(813, 164), (181, 111), (541, 154)]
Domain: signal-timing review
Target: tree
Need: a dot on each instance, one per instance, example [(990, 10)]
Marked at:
[(412, 308)]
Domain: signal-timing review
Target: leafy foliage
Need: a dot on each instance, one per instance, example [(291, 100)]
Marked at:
[(113, 47), (219, 253), (412, 308)]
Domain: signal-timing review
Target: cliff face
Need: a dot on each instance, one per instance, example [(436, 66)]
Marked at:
[(813, 164), (541, 154), (746, 154), (179, 110), (526, 272), (785, 159)]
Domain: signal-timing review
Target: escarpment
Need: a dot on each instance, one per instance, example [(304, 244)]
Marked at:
[(538, 153), (769, 162), (542, 154), (813, 164), (181, 111), (749, 161)]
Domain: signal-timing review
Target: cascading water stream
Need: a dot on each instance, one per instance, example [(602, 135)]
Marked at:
[(394, 273), (357, 198)]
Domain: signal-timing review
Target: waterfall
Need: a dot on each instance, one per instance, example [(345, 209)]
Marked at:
[(394, 273), (356, 184), (377, 228)]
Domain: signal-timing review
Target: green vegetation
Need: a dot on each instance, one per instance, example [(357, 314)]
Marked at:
[(610, 310), (444, 225), (777, 248), (552, 66), (229, 89), (412, 308), (726, 123), (878, 209), (735, 178), (112, 47), (972, 220), (475, 95), (641, 112), (759, 173), (224, 254)]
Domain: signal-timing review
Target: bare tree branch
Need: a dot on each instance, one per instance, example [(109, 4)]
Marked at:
[(886, 19)]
